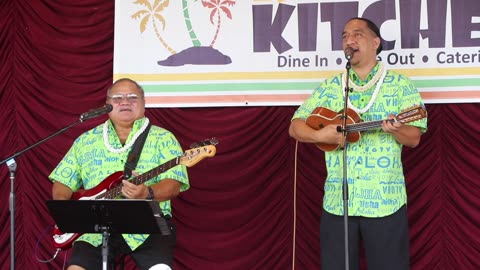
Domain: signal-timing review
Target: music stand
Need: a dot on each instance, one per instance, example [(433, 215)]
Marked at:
[(107, 217)]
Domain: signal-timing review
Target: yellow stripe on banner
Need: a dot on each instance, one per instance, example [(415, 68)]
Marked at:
[(439, 71), (226, 76), (291, 75), (225, 98)]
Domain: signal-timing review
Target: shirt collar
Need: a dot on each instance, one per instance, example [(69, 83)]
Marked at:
[(356, 79)]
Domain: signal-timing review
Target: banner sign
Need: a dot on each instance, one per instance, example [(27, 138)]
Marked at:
[(198, 53)]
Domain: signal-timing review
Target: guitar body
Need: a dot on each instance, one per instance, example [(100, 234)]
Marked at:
[(322, 117), (65, 240), (108, 183)]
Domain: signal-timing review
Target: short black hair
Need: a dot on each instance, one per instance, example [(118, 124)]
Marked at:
[(372, 26), (139, 87)]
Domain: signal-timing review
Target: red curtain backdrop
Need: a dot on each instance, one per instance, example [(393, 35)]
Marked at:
[(256, 204)]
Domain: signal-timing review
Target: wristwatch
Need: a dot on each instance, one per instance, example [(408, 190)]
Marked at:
[(151, 195)]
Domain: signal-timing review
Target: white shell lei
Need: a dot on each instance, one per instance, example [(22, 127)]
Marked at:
[(381, 72), (126, 146), (374, 80)]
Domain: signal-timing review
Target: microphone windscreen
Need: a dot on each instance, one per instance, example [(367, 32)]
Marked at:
[(348, 53), (109, 107)]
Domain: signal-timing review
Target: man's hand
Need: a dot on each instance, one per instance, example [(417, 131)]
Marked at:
[(132, 191), (390, 126), (300, 131), (404, 134)]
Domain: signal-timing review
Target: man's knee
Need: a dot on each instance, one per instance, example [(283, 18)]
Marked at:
[(160, 267)]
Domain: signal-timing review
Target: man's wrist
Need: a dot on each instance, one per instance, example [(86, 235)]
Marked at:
[(151, 194)]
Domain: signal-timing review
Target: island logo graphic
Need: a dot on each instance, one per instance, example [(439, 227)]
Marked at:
[(150, 15)]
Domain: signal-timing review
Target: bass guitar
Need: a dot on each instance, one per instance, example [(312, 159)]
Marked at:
[(110, 187), (322, 117)]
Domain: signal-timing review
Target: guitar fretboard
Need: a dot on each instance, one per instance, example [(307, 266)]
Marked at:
[(115, 191)]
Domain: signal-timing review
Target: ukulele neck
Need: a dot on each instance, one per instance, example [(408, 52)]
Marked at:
[(362, 126)]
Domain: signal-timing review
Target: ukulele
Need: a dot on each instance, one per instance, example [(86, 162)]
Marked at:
[(322, 117), (111, 187)]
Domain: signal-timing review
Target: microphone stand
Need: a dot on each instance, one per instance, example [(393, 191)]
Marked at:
[(12, 166), (344, 146)]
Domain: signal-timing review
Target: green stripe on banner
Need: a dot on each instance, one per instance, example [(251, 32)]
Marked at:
[(447, 83), (226, 87)]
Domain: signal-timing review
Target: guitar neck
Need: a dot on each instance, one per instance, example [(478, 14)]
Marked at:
[(114, 192)]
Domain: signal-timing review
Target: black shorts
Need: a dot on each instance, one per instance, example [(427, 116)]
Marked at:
[(157, 249)]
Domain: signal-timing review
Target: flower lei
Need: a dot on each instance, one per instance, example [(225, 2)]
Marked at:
[(377, 78), (126, 146)]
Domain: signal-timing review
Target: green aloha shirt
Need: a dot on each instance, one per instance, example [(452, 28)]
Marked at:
[(376, 183), (88, 163)]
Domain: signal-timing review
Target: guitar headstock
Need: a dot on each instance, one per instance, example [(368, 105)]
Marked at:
[(212, 141), (199, 151), (412, 114)]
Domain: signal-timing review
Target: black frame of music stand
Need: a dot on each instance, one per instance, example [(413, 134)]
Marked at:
[(107, 217)]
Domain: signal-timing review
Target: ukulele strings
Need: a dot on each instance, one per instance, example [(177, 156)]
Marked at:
[(365, 125)]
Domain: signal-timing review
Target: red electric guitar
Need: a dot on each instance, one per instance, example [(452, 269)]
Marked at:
[(111, 186), (322, 117)]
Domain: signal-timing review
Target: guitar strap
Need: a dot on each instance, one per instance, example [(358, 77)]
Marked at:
[(134, 154)]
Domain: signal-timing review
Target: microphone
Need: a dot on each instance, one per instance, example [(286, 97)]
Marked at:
[(96, 112), (348, 53)]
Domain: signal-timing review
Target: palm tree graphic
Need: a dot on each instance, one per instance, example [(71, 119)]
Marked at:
[(198, 54), (188, 22), (153, 13), (218, 7)]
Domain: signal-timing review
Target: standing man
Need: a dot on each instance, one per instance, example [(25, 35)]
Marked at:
[(377, 200), (104, 150)]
